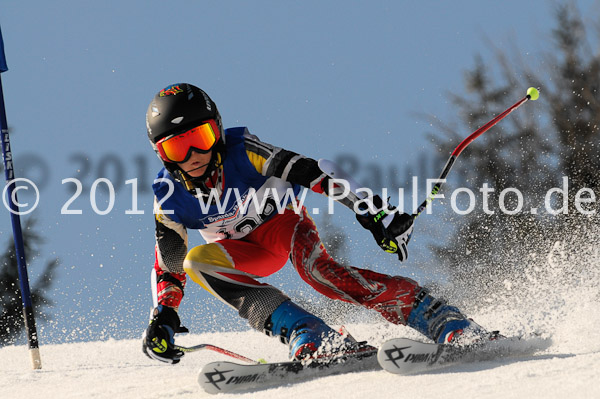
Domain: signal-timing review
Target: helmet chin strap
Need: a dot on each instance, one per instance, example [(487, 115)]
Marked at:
[(199, 167), (200, 182)]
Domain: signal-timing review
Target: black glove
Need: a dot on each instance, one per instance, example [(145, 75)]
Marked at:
[(158, 342), (391, 229)]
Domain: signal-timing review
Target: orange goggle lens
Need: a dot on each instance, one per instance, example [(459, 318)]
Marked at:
[(177, 148)]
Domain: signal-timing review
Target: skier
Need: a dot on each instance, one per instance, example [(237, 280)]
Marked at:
[(203, 163)]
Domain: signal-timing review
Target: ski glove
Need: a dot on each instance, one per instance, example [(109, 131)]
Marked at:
[(391, 229), (158, 342)]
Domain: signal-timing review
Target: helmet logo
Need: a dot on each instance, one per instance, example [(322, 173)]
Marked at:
[(177, 120), (155, 111), (207, 101), (170, 90)]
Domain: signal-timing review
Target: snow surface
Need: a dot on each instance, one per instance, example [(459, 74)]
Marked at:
[(118, 369), (554, 301)]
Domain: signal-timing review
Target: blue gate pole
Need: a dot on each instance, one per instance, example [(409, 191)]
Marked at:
[(9, 174)]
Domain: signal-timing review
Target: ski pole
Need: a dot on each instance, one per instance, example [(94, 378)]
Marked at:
[(354, 189), (217, 349), (15, 216), (532, 94)]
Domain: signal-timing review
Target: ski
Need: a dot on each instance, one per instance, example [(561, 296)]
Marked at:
[(399, 356), (407, 356), (225, 377)]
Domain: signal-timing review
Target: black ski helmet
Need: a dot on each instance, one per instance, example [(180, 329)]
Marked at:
[(176, 109)]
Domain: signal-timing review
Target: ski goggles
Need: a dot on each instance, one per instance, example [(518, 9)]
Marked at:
[(178, 147)]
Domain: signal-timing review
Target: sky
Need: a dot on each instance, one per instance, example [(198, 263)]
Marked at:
[(343, 80)]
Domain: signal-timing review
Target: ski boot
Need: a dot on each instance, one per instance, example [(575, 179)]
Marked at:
[(445, 324), (307, 335)]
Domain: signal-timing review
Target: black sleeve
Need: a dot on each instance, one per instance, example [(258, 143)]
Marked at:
[(287, 165), (171, 244)]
